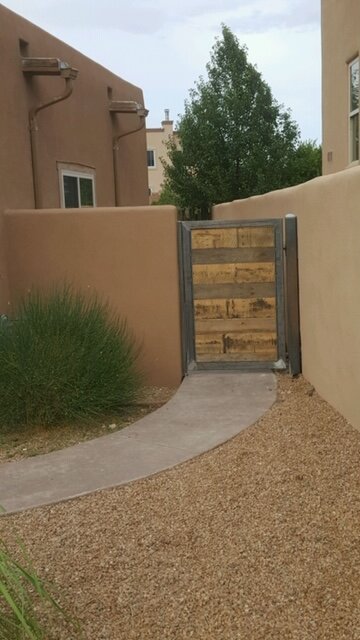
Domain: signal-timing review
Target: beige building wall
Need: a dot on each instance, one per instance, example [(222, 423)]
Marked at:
[(77, 131), (128, 256), (340, 45), (329, 268), (156, 140)]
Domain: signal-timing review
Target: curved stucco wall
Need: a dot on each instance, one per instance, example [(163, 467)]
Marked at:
[(328, 211)]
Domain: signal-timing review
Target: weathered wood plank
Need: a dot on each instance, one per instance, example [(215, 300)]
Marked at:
[(260, 307), (243, 254), (209, 343), (243, 308), (234, 273), (256, 237), (251, 341), (236, 343), (260, 356), (235, 325), (243, 290), (214, 238), (234, 294), (229, 237), (211, 309)]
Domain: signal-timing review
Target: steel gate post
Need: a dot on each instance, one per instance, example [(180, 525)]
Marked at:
[(292, 295)]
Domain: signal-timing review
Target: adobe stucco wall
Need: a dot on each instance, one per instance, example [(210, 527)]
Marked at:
[(340, 44), (78, 130), (328, 211), (156, 140), (127, 255)]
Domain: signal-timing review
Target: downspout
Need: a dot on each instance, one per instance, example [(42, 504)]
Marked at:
[(33, 125)]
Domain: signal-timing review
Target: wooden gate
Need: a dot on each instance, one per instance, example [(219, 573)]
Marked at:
[(233, 311)]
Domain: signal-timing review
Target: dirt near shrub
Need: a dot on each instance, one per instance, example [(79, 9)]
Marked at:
[(258, 539), (17, 443)]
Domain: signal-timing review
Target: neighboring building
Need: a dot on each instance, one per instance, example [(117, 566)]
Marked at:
[(85, 147), (156, 140), (340, 83)]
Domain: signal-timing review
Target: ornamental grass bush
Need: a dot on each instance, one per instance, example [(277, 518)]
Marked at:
[(27, 608), (65, 357)]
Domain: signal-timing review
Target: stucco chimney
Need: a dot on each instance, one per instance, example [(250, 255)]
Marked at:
[(167, 123)]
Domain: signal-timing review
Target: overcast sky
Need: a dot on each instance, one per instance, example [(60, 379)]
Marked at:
[(163, 45)]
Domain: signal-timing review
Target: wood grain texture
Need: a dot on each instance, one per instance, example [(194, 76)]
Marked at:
[(243, 254), (234, 292), (243, 290), (233, 273), (256, 237), (243, 308), (260, 356), (235, 325), (253, 345), (231, 237), (251, 342), (209, 343), (214, 238)]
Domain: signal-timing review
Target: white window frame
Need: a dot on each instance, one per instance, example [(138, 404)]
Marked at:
[(89, 175), (353, 113), (153, 166)]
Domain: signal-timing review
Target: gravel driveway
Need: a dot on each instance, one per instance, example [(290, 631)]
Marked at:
[(258, 539)]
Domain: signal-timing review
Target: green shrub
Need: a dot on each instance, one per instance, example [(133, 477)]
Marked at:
[(63, 358), (27, 609)]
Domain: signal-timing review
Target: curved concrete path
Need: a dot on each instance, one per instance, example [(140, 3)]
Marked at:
[(208, 409)]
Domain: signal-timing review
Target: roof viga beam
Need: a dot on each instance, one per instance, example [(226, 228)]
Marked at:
[(127, 106), (47, 67)]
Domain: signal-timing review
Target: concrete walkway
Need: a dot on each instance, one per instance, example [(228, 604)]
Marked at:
[(208, 409)]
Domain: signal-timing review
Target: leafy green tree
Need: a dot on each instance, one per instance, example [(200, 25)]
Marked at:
[(167, 196), (234, 140), (307, 162)]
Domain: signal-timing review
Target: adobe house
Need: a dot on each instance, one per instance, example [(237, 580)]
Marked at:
[(340, 83), (156, 140), (72, 133)]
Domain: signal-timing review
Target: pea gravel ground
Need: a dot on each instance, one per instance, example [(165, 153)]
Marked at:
[(258, 539)]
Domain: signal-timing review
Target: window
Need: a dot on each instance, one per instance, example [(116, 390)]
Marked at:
[(77, 188), (151, 158), (354, 110)]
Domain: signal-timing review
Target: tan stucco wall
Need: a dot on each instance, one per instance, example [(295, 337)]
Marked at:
[(329, 268), (340, 44), (79, 130), (127, 255), (156, 139)]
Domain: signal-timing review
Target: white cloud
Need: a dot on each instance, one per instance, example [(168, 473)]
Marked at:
[(145, 16), (163, 47)]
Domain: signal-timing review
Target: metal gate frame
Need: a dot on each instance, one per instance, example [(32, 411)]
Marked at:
[(188, 328)]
